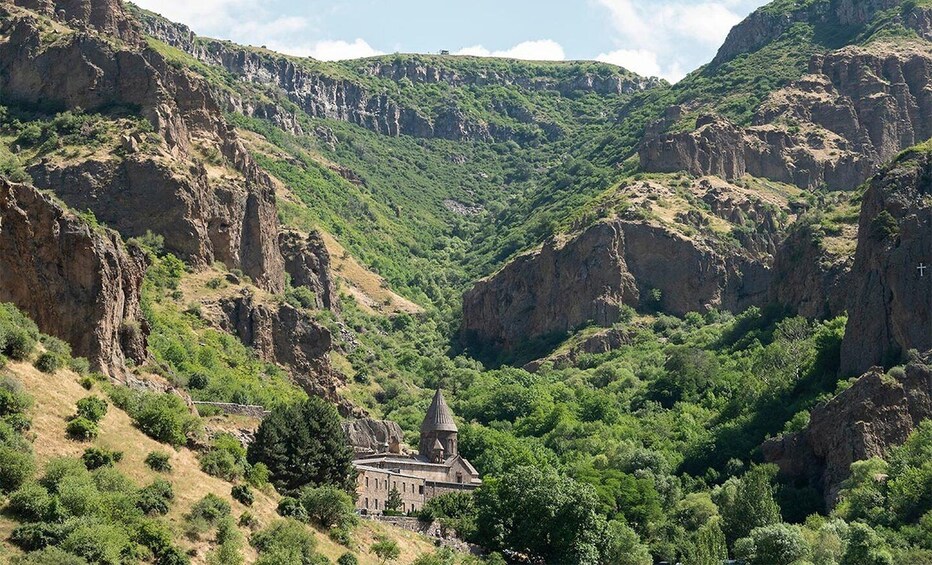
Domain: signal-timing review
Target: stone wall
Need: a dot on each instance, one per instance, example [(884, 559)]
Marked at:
[(249, 410)]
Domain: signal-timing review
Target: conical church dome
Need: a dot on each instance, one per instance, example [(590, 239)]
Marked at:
[(439, 416)]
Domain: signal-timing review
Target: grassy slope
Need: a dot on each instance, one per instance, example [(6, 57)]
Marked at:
[(55, 398)]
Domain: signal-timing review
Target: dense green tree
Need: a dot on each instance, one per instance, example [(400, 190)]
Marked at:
[(303, 444), (622, 546), (541, 513), (708, 545), (776, 544), (751, 505)]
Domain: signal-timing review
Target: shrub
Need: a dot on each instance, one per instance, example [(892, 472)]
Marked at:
[(49, 362), (30, 537), (82, 429), (243, 494), (207, 512), (219, 463), (248, 520), (95, 457), (257, 475), (155, 498), (386, 549), (327, 506), (289, 507), (79, 495), (80, 365), (164, 417), (102, 544), (19, 345), (348, 559), (30, 503), (159, 461), (93, 408), (57, 470), (15, 468), (285, 541)]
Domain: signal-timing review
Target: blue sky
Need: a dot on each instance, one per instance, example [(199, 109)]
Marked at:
[(667, 38)]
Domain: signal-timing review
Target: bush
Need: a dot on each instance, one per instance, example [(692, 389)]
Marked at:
[(285, 541), (328, 506), (247, 520), (348, 559), (164, 417), (95, 457), (80, 365), (243, 494), (49, 362), (289, 507), (30, 503), (102, 544), (155, 498), (93, 408), (30, 537), (19, 345), (257, 475), (82, 429), (159, 461), (206, 513), (16, 467), (219, 463)]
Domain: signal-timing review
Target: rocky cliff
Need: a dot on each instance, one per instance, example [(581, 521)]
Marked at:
[(367, 435), (77, 282), (834, 127), (890, 294), (280, 333), (589, 277), (324, 92), (875, 414), (203, 217), (768, 23), (808, 278), (307, 261)]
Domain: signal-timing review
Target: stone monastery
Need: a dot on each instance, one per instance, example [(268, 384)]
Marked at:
[(436, 468)]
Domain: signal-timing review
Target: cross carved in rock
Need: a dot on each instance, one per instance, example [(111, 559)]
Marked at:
[(922, 269)]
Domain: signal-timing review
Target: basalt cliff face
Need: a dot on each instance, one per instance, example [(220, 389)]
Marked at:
[(890, 294), (856, 109), (875, 414), (591, 276), (307, 261), (228, 217), (323, 94), (77, 282)]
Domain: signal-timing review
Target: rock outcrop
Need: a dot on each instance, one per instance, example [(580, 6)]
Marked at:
[(866, 420), (282, 334), (890, 293), (367, 435), (307, 261), (807, 278), (231, 220), (588, 278), (603, 341), (856, 109), (77, 282), (105, 16)]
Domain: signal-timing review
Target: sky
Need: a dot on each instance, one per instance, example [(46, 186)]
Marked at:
[(665, 38)]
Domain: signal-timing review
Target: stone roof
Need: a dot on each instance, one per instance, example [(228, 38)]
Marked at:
[(439, 416), (438, 445)]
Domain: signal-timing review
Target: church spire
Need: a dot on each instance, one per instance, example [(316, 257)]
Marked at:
[(439, 417), (438, 429)]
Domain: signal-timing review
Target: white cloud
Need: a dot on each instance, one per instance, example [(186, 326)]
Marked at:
[(656, 38), (334, 50), (538, 50), (642, 61)]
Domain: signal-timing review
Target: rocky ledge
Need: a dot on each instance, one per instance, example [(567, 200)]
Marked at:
[(78, 282), (875, 414)]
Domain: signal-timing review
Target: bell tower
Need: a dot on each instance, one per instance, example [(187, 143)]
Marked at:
[(438, 431)]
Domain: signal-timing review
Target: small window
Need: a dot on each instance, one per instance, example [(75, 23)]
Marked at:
[(367, 482), (367, 503), (404, 487), (420, 489)]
